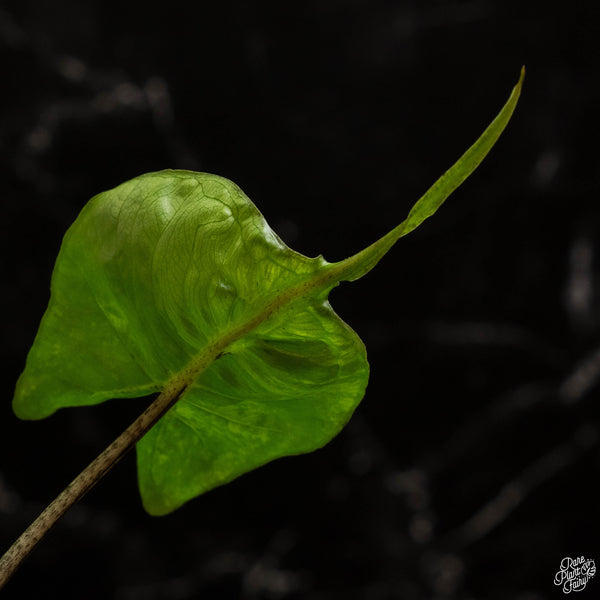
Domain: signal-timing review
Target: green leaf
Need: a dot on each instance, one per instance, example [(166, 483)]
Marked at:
[(175, 279)]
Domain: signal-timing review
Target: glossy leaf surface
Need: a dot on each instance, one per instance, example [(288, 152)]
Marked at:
[(176, 276)]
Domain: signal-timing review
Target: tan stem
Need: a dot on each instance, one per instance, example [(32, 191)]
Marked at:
[(86, 480)]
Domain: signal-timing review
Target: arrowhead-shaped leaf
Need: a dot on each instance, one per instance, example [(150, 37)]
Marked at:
[(175, 279)]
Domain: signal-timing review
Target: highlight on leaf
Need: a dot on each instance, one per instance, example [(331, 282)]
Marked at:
[(174, 281)]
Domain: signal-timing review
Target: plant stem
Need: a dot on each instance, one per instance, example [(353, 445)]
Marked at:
[(86, 480)]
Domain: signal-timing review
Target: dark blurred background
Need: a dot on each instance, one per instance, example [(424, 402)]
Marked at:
[(470, 469)]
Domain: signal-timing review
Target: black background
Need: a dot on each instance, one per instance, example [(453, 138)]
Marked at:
[(469, 471)]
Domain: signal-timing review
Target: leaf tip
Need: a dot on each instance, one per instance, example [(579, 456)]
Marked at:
[(519, 85)]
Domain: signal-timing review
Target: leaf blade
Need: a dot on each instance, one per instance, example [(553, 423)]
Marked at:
[(173, 301)]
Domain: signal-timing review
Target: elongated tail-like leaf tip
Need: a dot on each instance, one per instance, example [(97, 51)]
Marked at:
[(358, 265)]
